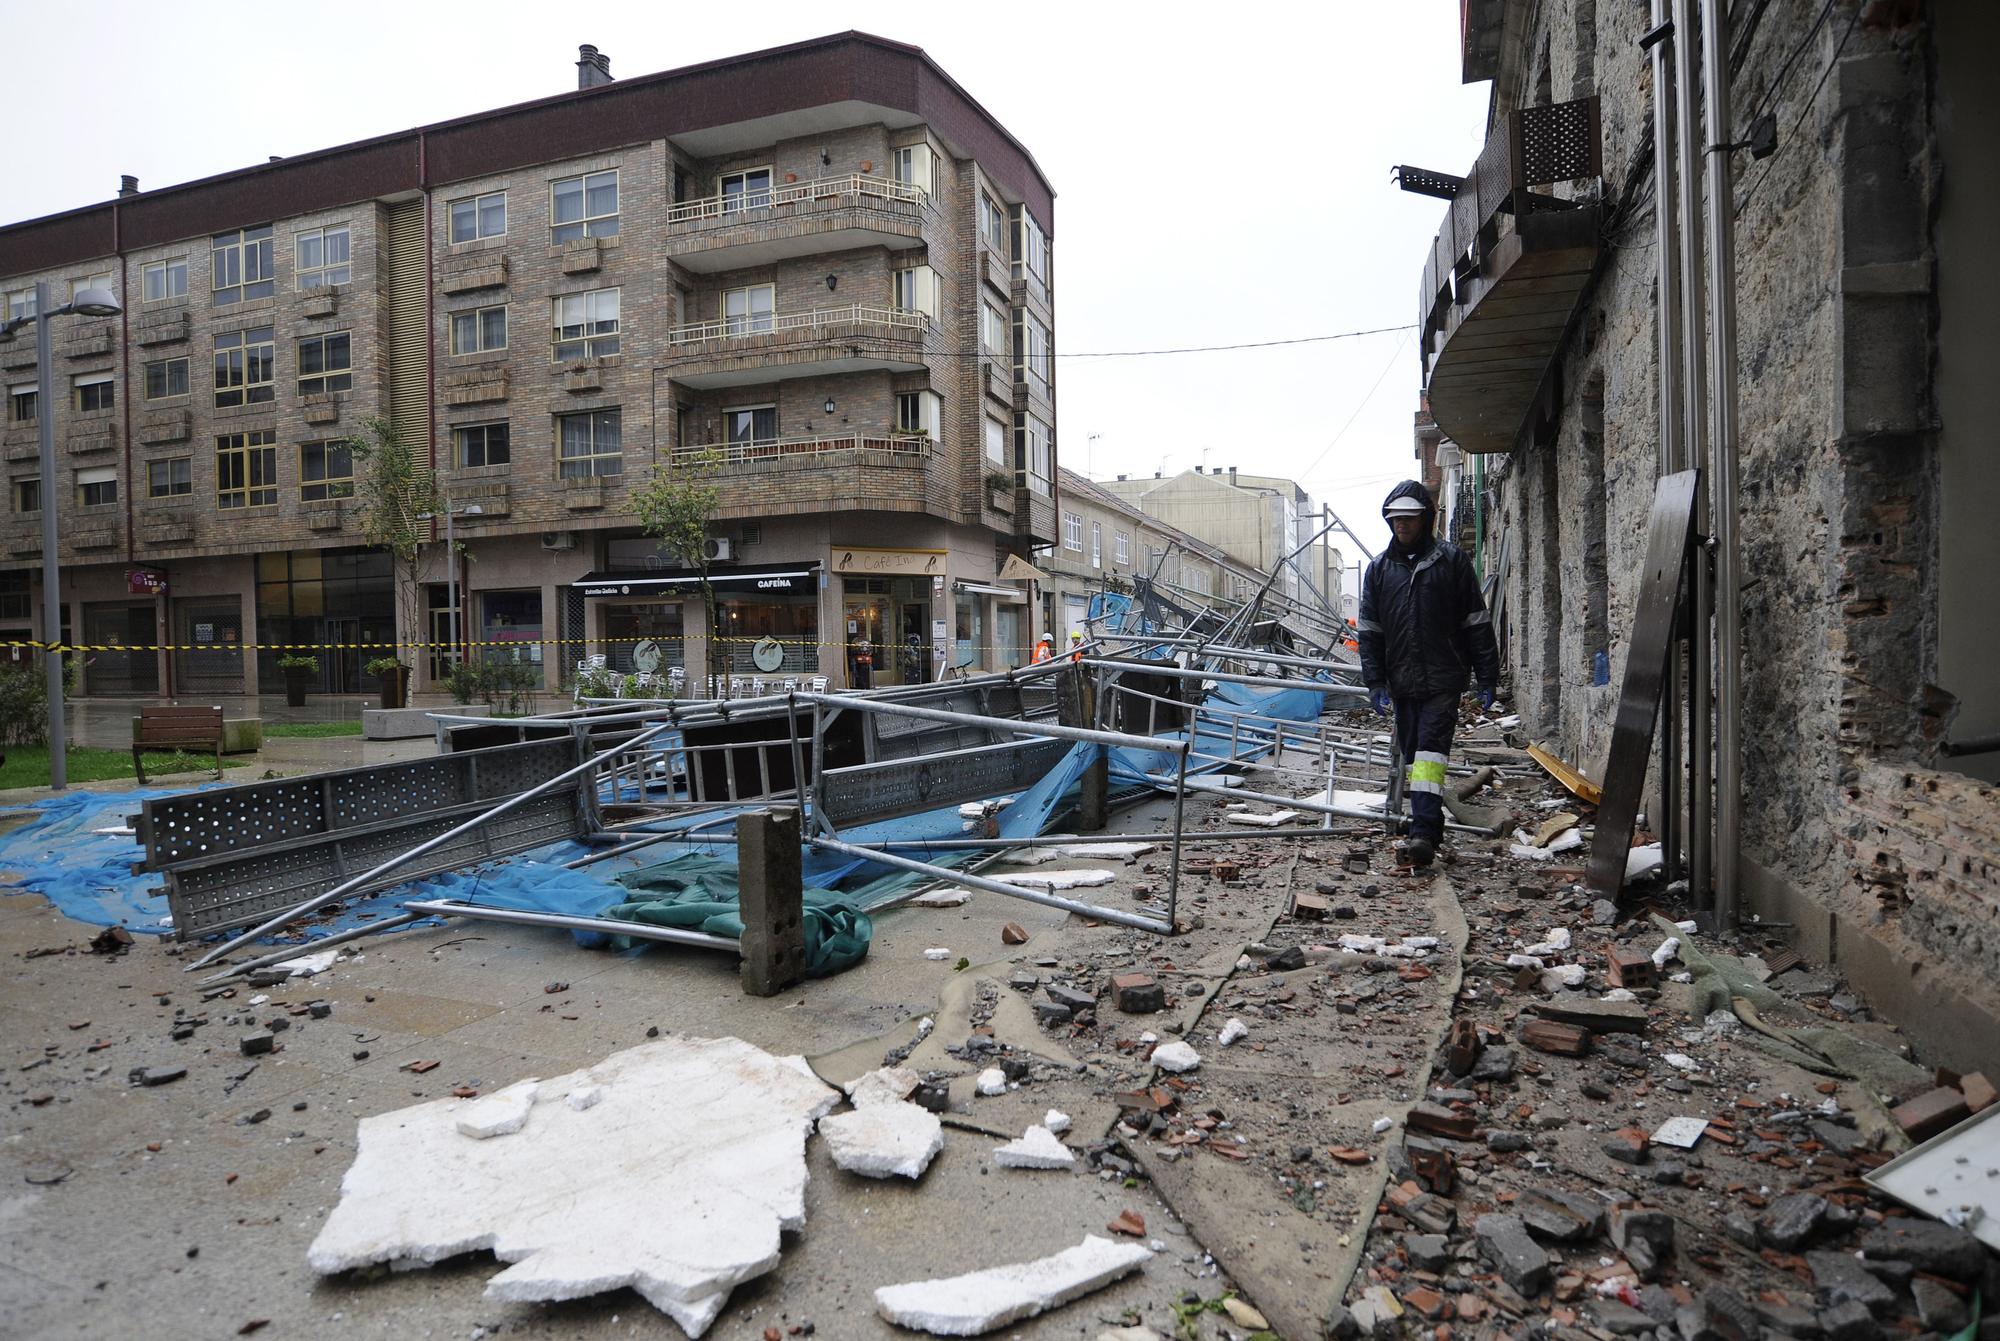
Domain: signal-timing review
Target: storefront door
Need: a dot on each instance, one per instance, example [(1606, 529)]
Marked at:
[(340, 664), (118, 671), (865, 652), (210, 659)]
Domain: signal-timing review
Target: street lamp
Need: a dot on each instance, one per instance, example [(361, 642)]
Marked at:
[(90, 302)]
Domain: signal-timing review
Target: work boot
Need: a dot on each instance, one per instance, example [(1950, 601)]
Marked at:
[(1418, 852)]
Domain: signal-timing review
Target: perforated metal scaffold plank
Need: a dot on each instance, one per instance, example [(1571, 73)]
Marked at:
[(236, 855)]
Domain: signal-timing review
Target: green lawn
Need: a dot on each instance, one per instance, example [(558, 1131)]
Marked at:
[(313, 730), (28, 765)]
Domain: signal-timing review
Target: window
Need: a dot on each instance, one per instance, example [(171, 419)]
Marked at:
[(326, 470), (992, 221), (1035, 453), (170, 478), (1097, 544), (479, 216), (586, 325), (246, 469), (480, 445), (996, 443), (916, 165), (324, 365), (749, 190), (165, 279), (21, 402), (103, 279), (1073, 532), (479, 331), (1031, 348), (27, 495), (1121, 547), (96, 486), (94, 391), (745, 311), (917, 412), (589, 444), (166, 378), (916, 290), (751, 423), (992, 329), (240, 265), (320, 257), (243, 364), (1031, 246), (20, 303), (585, 206)]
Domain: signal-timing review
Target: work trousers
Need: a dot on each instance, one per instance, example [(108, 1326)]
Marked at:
[(1423, 734)]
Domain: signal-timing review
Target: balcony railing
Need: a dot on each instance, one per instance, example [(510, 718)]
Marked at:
[(774, 449), (792, 193), (818, 319)]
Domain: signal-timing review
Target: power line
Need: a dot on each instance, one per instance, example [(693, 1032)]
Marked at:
[(1784, 70), (879, 344), (1804, 111), (1359, 408)]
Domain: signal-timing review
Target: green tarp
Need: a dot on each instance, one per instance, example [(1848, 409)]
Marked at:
[(698, 892)]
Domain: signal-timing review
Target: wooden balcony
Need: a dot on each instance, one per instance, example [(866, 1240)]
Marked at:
[(1507, 271)]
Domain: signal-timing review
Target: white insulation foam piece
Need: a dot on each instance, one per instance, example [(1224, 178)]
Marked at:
[(1038, 1148), (714, 1128), (981, 1301), (884, 1140), (499, 1114), (1176, 1057)]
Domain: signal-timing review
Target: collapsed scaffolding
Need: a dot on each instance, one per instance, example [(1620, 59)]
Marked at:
[(777, 827)]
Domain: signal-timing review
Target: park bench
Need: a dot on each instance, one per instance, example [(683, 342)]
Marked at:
[(177, 729)]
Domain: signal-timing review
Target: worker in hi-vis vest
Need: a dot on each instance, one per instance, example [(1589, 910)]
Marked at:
[(1424, 628)]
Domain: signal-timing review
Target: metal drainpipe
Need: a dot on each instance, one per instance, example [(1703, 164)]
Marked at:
[(1478, 516), (1695, 400), (1673, 451), (1722, 435)]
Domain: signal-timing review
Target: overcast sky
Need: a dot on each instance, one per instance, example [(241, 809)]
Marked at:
[(1221, 174)]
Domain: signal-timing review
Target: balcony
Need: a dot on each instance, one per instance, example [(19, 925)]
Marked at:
[(826, 214), (1507, 271), (778, 449), (769, 347), (798, 477)]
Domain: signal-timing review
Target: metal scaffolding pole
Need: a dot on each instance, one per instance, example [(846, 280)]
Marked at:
[(1672, 450)]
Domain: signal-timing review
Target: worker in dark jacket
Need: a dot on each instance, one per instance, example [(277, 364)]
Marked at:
[(1423, 627)]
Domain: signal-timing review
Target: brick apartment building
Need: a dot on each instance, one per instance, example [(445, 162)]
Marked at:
[(824, 261)]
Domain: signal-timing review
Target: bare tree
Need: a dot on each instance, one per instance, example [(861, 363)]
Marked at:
[(395, 496), (676, 506)]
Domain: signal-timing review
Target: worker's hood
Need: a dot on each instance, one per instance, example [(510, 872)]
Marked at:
[(1410, 489)]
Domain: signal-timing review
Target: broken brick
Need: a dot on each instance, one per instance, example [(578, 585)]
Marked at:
[(1630, 968), (421, 1066), (1013, 933), (1310, 908), (1433, 1165), (1627, 1145), (1462, 1047), (1979, 1092), (1129, 1222), (1137, 993), (1441, 1121), (1928, 1114), (1565, 1040)]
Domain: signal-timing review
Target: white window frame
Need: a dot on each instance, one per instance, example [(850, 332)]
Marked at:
[(594, 330), (477, 204), (166, 271), (992, 330), (20, 303), (91, 475), (103, 279), (1097, 544), (729, 412), (929, 414), (166, 365), (327, 273), (915, 165), (586, 224), (996, 443), (916, 289), (1121, 547), (478, 317), (1072, 525), (745, 198), (749, 320)]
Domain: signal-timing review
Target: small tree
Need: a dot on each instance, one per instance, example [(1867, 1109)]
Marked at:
[(395, 496), (675, 506)]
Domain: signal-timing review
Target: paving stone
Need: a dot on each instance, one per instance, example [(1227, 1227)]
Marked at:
[(1069, 997), (1929, 1246), (1793, 1221), (252, 1045), (1504, 1241), (1137, 994), (1840, 1278)]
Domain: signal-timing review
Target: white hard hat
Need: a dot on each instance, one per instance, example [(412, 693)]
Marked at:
[(1405, 506)]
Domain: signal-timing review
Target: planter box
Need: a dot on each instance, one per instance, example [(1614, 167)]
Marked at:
[(162, 328), (321, 409), (580, 495), (162, 428), (582, 257), (482, 270), (18, 352), (22, 445), (585, 376), (323, 517), (475, 386), (94, 438), (1002, 500), (93, 537), (320, 302), (166, 528), (396, 723), (95, 339)]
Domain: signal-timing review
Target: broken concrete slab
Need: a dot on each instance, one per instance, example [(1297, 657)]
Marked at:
[(883, 1139), (981, 1301), (1841, 1278), (713, 1127), (1600, 1017), (1504, 1241), (1037, 1148)]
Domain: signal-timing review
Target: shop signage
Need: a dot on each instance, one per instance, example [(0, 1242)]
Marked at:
[(655, 585), (890, 562), (145, 582), (768, 654)]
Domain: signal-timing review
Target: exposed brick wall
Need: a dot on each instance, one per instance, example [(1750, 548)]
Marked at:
[(1922, 849)]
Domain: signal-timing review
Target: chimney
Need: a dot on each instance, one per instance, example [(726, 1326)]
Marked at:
[(1232, 474), (1122, 479), (128, 185), (593, 67)]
